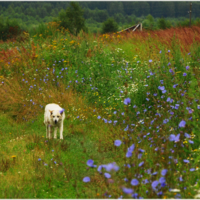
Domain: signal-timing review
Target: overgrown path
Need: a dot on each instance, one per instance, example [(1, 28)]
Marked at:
[(34, 167)]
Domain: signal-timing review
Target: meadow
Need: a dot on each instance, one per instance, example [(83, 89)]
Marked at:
[(132, 113)]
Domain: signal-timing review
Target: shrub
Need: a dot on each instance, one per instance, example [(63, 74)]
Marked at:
[(109, 26)]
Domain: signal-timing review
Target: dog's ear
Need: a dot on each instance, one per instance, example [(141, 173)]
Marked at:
[(61, 111), (51, 112)]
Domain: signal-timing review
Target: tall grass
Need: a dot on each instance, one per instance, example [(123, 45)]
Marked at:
[(132, 105)]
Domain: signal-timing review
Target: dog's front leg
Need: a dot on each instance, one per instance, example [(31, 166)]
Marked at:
[(55, 133), (49, 131), (61, 131)]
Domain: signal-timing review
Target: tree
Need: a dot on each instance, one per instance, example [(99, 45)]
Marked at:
[(110, 26), (72, 19)]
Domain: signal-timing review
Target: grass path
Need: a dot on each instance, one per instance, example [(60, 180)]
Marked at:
[(32, 167)]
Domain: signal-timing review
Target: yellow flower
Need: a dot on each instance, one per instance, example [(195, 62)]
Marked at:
[(14, 156)]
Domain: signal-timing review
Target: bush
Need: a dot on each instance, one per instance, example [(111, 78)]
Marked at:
[(9, 29), (110, 26)]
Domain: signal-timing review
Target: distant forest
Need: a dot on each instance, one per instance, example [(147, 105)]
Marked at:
[(124, 12)]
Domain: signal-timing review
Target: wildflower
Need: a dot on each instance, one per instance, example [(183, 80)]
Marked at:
[(111, 166), (99, 117), (90, 163), (117, 143), (39, 159), (174, 138), (150, 61), (184, 74), (192, 169), (187, 67), (182, 124), (191, 142), (140, 164), (134, 182), (127, 190), (165, 121), (107, 175), (164, 172), (147, 99), (154, 185), (127, 101), (86, 179), (186, 161)]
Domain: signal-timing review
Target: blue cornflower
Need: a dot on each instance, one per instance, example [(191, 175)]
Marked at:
[(164, 172), (90, 163), (111, 166), (187, 67), (165, 121), (140, 164), (127, 190), (134, 182), (122, 113), (182, 124), (154, 185), (39, 159), (127, 101), (150, 61), (107, 175), (174, 138), (192, 169), (186, 161), (86, 179), (114, 112), (117, 143), (99, 117)]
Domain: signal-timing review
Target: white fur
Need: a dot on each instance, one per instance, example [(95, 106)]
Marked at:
[(54, 116)]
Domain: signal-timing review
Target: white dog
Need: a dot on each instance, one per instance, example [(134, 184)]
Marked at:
[(54, 116)]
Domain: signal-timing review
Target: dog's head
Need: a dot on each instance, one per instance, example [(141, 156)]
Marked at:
[(56, 115)]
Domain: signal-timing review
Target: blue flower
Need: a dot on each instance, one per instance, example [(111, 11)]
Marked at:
[(111, 166), (150, 61), (134, 182), (140, 164), (99, 117), (192, 169), (107, 175), (184, 74), (174, 138), (186, 161), (39, 159), (165, 121), (90, 163), (187, 67), (127, 101), (164, 172), (86, 179), (182, 124), (127, 190), (154, 185)]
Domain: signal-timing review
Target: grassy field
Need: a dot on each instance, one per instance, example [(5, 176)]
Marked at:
[(132, 111)]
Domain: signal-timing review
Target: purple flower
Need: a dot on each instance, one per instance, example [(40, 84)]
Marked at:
[(128, 154), (154, 185), (150, 61), (182, 124), (162, 180), (165, 121), (187, 67), (127, 190), (134, 182), (140, 164), (86, 179), (174, 138), (127, 101), (107, 175), (90, 163), (187, 135), (184, 74), (191, 142), (164, 172), (111, 166), (117, 143), (180, 178), (186, 161), (161, 87), (192, 169)]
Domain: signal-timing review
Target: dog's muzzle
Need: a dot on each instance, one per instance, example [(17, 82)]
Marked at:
[(56, 122)]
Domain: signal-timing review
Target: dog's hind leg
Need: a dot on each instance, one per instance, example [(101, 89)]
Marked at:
[(61, 131), (49, 131), (55, 133)]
